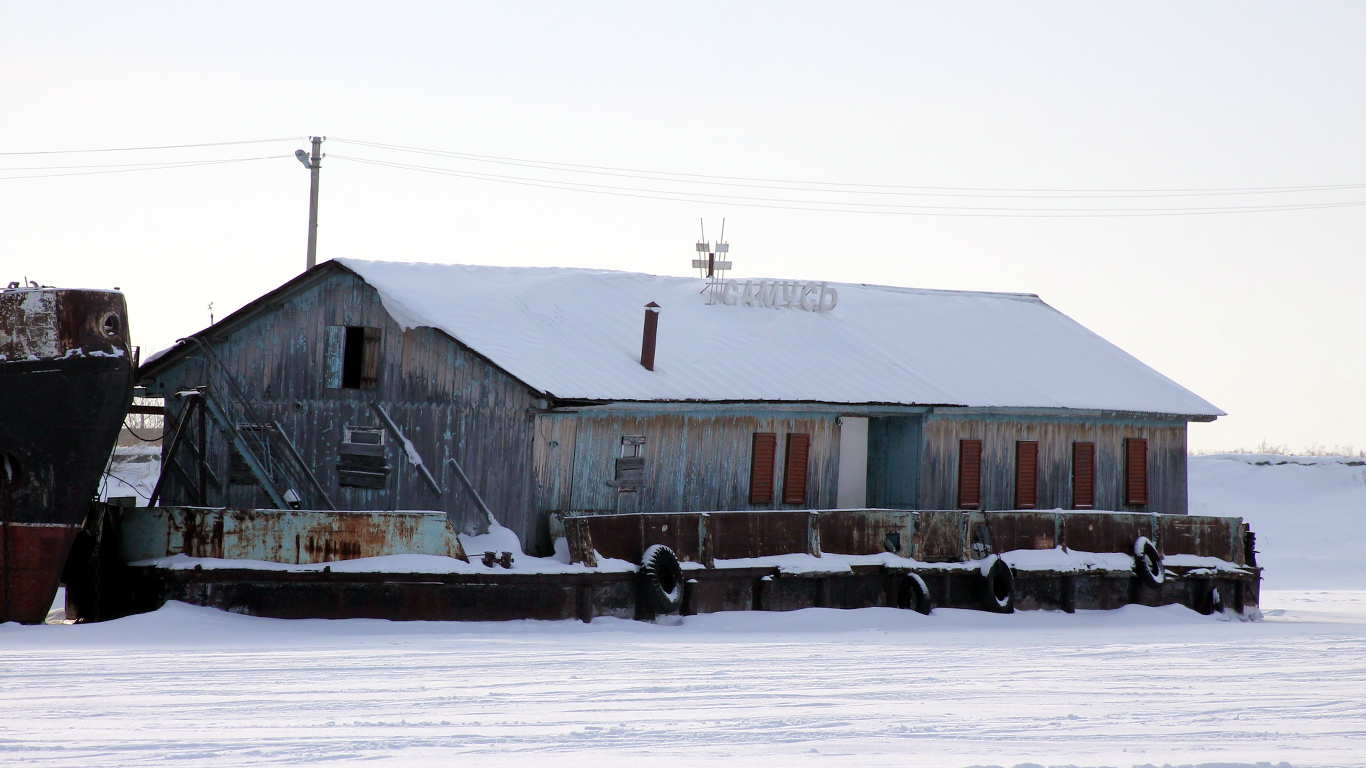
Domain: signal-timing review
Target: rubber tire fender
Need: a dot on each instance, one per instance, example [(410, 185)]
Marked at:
[(917, 595), (1000, 587), (1148, 562), (661, 580)]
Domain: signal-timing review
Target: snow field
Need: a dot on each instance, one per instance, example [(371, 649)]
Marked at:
[(1133, 687), (192, 686)]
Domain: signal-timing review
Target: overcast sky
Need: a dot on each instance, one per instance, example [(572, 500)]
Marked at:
[(1260, 313)]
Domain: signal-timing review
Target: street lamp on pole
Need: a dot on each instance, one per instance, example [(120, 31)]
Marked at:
[(312, 163)]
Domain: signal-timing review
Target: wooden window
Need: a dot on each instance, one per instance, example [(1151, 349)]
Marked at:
[(794, 468), (969, 474), (360, 360), (1026, 474), (1083, 475), (761, 466), (1136, 471)]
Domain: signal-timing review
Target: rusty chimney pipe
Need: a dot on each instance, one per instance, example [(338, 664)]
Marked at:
[(647, 341)]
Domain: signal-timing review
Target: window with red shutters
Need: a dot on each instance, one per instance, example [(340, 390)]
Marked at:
[(1026, 474), (762, 462), (1136, 471), (794, 468), (969, 474), (1083, 475)]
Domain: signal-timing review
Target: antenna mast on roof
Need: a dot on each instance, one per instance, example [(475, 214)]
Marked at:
[(713, 262)]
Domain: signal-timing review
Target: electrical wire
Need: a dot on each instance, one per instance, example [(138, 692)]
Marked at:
[(874, 189), (835, 206), (144, 149), (128, 167)]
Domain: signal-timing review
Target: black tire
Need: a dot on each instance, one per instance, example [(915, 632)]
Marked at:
[(1000, 587), (661, 580), (917, 595), (1148, 562)]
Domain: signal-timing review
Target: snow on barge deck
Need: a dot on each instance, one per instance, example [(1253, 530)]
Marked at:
[(413, 566)]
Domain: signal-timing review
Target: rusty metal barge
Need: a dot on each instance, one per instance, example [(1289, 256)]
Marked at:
[(66, 381), (305, 564)]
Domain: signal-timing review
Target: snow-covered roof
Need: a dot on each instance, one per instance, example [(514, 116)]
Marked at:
[(576, 334)]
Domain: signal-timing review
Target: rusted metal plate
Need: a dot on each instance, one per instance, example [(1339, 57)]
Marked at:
[(679, 532), (1105, 531), (867, 531), (940, 536), (760, 534), (31, 560), (1205, 536), (283, 536), (616, 536), (1022, 530)]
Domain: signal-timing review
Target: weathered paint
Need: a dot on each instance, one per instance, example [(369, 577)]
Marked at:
[(449, 402), (282, 536), (944, 428), (694, 462), (925, 535), (894, 447)]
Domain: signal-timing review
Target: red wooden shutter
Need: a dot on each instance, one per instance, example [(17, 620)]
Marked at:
[(794, 468), (1136, 471), (1026, 474), (969, 474), (762, 462), (1083, 475)]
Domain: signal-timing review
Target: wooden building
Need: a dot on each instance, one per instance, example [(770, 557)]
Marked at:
[(356, 384)]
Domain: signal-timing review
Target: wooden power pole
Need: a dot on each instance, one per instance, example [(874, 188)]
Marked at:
[(312, 163)]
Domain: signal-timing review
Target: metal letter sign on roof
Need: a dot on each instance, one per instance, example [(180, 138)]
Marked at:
[(775, 294)]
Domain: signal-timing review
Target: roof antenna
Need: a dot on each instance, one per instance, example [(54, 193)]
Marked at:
[(711, 262)]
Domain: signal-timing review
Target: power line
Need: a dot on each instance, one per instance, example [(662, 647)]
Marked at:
[(835, 206), (889, 189), (127, 168), (144, 149)]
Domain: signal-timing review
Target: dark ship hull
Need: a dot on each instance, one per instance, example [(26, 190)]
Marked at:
[(66, 381)]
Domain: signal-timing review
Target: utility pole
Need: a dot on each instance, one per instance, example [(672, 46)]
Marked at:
[(312, 163)]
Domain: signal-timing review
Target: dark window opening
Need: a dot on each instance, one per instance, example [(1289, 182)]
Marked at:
[(1083, 475), (762, 463), (1026, 474), (1136, 471), (969, 474), (360, 358), (795, 468)]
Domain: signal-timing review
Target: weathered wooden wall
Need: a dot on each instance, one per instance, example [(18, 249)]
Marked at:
[(448, 400), (694, 461), (943, 429)]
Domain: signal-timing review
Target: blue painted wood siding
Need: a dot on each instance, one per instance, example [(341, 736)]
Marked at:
[(943, 430), (448, 400), (698, 461)]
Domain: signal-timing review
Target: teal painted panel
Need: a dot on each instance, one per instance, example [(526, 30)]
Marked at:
[(894, 461)]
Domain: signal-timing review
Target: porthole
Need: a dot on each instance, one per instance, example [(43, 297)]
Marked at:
[(110, 324)]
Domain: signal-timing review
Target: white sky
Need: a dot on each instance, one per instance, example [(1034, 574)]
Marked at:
[(1259, 313)]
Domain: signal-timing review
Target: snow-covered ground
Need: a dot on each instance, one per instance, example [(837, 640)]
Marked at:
[(1138, 686)]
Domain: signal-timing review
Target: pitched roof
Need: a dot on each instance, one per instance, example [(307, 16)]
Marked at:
[(576, 334)]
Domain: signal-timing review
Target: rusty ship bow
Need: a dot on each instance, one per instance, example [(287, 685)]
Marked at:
[(66, 381)]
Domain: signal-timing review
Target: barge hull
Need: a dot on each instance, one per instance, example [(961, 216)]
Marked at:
[(465, 597)]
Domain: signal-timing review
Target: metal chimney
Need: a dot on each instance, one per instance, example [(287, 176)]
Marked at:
[(647, 342)]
